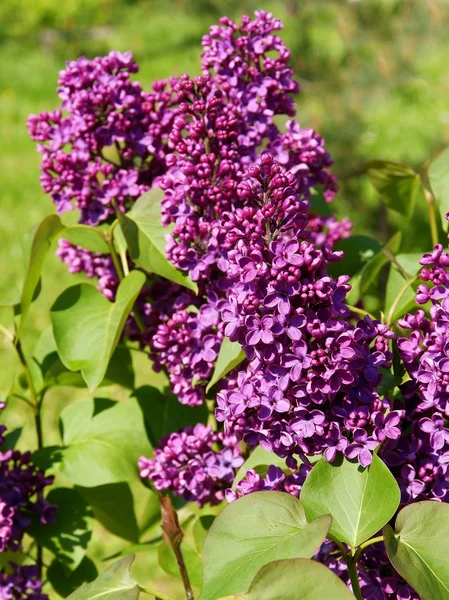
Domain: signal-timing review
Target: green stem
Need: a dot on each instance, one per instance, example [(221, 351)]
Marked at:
[(23, 400), (360, 311), (113, 251), (120, 274), (7, 333), (402, 291), (353, 575), (27, 373), (361, 548), (432, 217), (157, 595)]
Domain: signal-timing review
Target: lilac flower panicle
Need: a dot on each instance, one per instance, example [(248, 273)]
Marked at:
[(189, 464)]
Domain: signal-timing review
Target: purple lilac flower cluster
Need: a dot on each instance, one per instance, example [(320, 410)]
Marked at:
[(108, 141), (21, 493), (22, 584), (195, 138), (310, 383), (420, 459), (189, 464)]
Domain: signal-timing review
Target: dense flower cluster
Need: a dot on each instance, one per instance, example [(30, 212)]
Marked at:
[(22, 584), (108, 141), (21, 493), (196, 139), (189, 464), (420, 459), (310, 384)]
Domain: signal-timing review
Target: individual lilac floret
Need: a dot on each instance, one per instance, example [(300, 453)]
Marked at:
[(22, 584), (190, 465), (312, 375)]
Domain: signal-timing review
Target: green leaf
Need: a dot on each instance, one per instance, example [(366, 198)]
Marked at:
[(44, 235), (10, 439), (318, 204), (164, 413), (87, 237), (192, 559), (87, 327), (113, 506), (229, 357), (104, 447), (418, 548), (358, 251), (200, 529), (439, 180), (251, 532), (64, 582), (258, 458), (398, 293), (397, 185), (68, 536), (296, 579), (146, 241), (115, 583), (371, 270), (360, 501)]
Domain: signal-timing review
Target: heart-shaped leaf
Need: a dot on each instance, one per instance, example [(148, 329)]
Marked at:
[(251, 532), (87, 327), (230, 356), (115, 583), (295, 579), (103, 447), (360, 501), (418, 548)]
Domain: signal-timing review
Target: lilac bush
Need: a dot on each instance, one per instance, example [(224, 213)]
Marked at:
[(208, 230)]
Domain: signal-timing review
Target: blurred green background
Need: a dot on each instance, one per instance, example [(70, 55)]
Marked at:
[(373, 76)]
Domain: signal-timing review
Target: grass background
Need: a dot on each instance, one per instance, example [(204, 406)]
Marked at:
[(374, 83)]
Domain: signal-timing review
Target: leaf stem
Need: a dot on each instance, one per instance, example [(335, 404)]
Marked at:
[(7, 333), (157, 595), (432, 217), (353, 575), (360, 311), (120, 272), (402, 291), (27, 372), (362, 547)]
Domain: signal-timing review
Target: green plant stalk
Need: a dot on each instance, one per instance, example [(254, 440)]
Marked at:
[(361, 548), (360, 311), (36, 402), (120, 273), (432, 217), (352, 570), (404, 288)]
